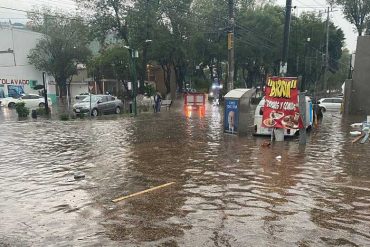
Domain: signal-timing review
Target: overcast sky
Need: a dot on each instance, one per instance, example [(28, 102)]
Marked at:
[(303, 5), (337, 17)]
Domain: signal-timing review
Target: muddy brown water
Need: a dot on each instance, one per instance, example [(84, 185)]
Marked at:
[(228, 191)]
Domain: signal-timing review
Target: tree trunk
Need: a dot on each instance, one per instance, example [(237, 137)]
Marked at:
[(143, 69), (166, 78)]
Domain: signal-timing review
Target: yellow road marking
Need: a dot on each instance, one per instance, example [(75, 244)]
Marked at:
[(142, 192)]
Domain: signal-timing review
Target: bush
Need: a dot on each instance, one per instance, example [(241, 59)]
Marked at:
[(64, 117), (22, 110), (41, 111), (149, 90)]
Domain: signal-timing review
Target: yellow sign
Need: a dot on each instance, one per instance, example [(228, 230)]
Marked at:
[(230, 40), (281, 88)]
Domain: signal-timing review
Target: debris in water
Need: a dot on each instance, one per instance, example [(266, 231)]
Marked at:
[(266, 144), (79, 175), (355, 133), (356, 125), (278, 158)]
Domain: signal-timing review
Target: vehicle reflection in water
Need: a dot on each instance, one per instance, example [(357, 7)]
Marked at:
[(228, 191), (191, 111)]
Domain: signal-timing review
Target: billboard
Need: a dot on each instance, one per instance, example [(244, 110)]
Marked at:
[(231, 116), (281, 109)]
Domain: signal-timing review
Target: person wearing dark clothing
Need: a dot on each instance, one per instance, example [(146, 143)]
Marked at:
[(157, 101)]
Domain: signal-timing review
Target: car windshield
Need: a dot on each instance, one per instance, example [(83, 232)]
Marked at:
[(94, 98)]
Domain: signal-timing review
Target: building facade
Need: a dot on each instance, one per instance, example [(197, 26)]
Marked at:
[(17, 76)]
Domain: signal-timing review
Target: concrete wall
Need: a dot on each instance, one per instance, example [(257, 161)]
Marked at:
[(360, 93)]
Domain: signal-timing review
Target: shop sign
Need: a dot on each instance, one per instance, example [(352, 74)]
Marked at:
[(14, 81), (281, 109)]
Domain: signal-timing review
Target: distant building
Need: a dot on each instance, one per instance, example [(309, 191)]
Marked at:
[(17, 76)]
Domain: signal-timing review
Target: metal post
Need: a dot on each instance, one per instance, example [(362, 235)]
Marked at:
[(230, 46), (90, 100), (288, 13), (45, 93), (302, 108), (67, 98), (327, 52), (134, 81)]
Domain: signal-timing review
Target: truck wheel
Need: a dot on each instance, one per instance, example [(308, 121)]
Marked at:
[(11, 105), (42, 105)]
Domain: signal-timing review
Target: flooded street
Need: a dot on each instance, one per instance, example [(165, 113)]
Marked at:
[(228, 191)]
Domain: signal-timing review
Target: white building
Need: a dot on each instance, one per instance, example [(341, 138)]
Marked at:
[(16, 74)]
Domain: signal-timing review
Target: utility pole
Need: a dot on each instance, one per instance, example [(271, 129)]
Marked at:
[(284, 60), (133, 55), (279, 133), (46, 103), (327, 52), (145, 50), (230, 46)]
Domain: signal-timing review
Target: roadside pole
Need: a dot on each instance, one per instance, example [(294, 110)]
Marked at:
[(68, 99), (134, 80), (327, 52), (303, 110), (45, 93), (279, 133), (230, 46), (90, 87)]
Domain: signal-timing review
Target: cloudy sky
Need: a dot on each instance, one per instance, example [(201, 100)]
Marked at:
[(302, 5), (336, 17)]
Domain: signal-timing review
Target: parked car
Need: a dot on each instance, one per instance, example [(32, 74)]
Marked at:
[(81, 96), (100, 104), (330, 104), (30, 100)]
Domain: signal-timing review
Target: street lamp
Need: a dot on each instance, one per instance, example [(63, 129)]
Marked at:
[(134, 54)]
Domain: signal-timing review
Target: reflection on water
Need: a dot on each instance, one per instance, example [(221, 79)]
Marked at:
[(229, 191)]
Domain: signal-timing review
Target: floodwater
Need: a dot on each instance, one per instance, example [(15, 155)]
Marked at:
[(228, 191)]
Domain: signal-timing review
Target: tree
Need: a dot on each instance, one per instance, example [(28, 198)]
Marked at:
[(336, 80), (62, 47), (356, 12), (112, 62)]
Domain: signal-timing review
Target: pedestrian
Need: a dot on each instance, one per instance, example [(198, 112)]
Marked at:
[(157, 101)]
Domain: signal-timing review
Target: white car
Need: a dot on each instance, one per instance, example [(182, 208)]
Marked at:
[(330, 104), (30, 100)]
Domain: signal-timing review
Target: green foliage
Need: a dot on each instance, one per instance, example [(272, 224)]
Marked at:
[(201, 84), (189, 39), (41, 111), (149, 90), (63, 46), (356, 12), (112, 62), (22, 110), (336, 80), (64, 117)]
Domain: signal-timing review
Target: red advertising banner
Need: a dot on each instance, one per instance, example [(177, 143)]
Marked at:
[(281, 108)]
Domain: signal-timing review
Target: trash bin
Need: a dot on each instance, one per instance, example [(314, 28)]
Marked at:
[(130, 106), (34, 114)]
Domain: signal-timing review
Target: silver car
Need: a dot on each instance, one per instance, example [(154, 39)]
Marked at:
[(100, 104)]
